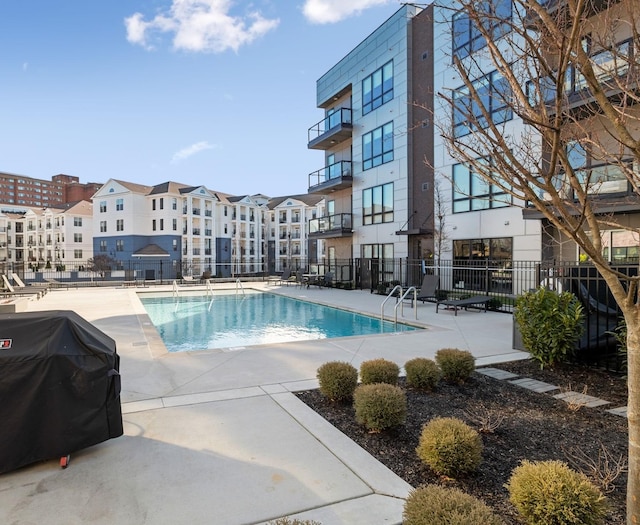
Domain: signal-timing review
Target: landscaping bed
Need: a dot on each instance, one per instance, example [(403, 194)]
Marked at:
[(535, 427)]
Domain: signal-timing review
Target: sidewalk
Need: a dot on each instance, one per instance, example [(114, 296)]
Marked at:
[(217, 437)]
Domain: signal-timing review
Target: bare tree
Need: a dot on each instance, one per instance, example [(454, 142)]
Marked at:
[(570, 71), (440, 234)]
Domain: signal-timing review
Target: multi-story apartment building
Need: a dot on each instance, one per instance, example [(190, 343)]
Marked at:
[(192, 230), (599, 155), (21, 190), (290, 242), (480, 223), (376, 136), (51, 238)]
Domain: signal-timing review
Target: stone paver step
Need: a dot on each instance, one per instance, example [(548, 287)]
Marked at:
[(534, 384), (620, 411), (578, 398), (496, 373)]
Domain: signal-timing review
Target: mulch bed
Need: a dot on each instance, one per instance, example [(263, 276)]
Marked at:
[(535, 427)]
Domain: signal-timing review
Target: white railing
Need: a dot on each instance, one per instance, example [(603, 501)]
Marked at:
[(401, 303), (396, 287)]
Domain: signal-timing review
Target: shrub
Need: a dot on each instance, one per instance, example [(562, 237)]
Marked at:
[(456, 365), (434, 505), (379, 406), (450, 447), (550, 323), (379, 371), (494, 304), (337, 380), (550, 492), (422, 373)]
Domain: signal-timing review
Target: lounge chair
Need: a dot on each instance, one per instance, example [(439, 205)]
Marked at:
[(429, 288), (321, 281), (9, 290), (41, 288), (287, 278)]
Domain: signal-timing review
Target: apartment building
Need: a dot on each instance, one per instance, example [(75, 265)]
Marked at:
[(21, 190), (289, 228), (192, 230), (46, 238), (376, 136), (594, 148), (481, 224)]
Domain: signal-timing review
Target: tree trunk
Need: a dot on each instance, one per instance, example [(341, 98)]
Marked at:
[(633, 414)]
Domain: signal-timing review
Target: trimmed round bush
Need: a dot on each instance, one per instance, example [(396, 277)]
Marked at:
[(422, 373), (337, 380), (450, 447), (380, 406), (550, 492), (435, 505), (456, 365), (379, 371)]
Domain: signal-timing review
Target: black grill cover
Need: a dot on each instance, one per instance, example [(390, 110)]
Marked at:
[(59, 387)]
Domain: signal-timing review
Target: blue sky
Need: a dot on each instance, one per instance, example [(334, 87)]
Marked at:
[(212, 92)]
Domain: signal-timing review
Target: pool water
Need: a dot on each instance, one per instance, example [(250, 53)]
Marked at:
[(201, 322)]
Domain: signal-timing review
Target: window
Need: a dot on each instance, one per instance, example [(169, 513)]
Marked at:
[(119, 204), (384, 252), (161, 204), (161, 224), (119, 245), (377, 146), (174, 224), (77, 237), (174, 203), (103, 226), (175, 245), (153, 204), (377, 204), (494, 94), (498, 249), (77, 254), (103, 206), (103, 245), (466, 37), (120, 225), (77, 221), (153, 225), (377, 88), (472, 192)]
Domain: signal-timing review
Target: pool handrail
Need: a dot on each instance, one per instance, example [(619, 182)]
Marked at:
[(401, 303), (396, 287)]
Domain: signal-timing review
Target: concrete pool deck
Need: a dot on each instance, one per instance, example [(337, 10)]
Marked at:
[(217, 437)]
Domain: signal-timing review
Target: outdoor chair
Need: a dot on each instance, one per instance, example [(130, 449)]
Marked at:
[(429, 288)]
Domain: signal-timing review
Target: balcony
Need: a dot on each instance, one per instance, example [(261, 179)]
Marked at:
[(208, 233), (333, 129), (337, 176), (208, 213), (195, 211), (615, 70), (332, 226)]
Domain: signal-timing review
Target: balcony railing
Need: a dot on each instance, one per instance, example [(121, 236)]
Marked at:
[(195, 211), (335, 176), (208, 233), (208, 213), (331, 130), (338, 225)]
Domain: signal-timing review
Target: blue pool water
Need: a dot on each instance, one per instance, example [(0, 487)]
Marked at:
[(227, 321)]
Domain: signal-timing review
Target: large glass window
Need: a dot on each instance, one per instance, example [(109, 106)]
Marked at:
[(377, 204), (472, 192), (377, 88), (466, 38), (493, 95), (377, 146)]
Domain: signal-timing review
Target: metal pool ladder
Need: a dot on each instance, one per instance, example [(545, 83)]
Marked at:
[(401, 303), (396, 287)]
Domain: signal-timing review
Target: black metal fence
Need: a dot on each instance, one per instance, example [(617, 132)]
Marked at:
[(504, 281)]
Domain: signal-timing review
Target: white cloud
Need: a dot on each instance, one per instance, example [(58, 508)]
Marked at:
[(191, 150), (330, 11), (200, 25)]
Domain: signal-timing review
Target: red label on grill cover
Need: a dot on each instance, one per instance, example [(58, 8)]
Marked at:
[(5, 344)]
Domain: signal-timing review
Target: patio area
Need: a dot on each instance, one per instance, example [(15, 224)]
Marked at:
[(216, 436)]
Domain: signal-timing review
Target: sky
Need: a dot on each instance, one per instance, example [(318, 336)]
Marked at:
[(213, 92)]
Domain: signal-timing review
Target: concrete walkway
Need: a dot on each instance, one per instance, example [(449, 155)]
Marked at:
[(217, 437)]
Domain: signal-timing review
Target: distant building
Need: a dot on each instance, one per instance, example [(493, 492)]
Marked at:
[(52, 237), (21, 190), (192, 230)]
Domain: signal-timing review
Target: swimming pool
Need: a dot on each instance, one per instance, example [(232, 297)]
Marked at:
[(198, 322)]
